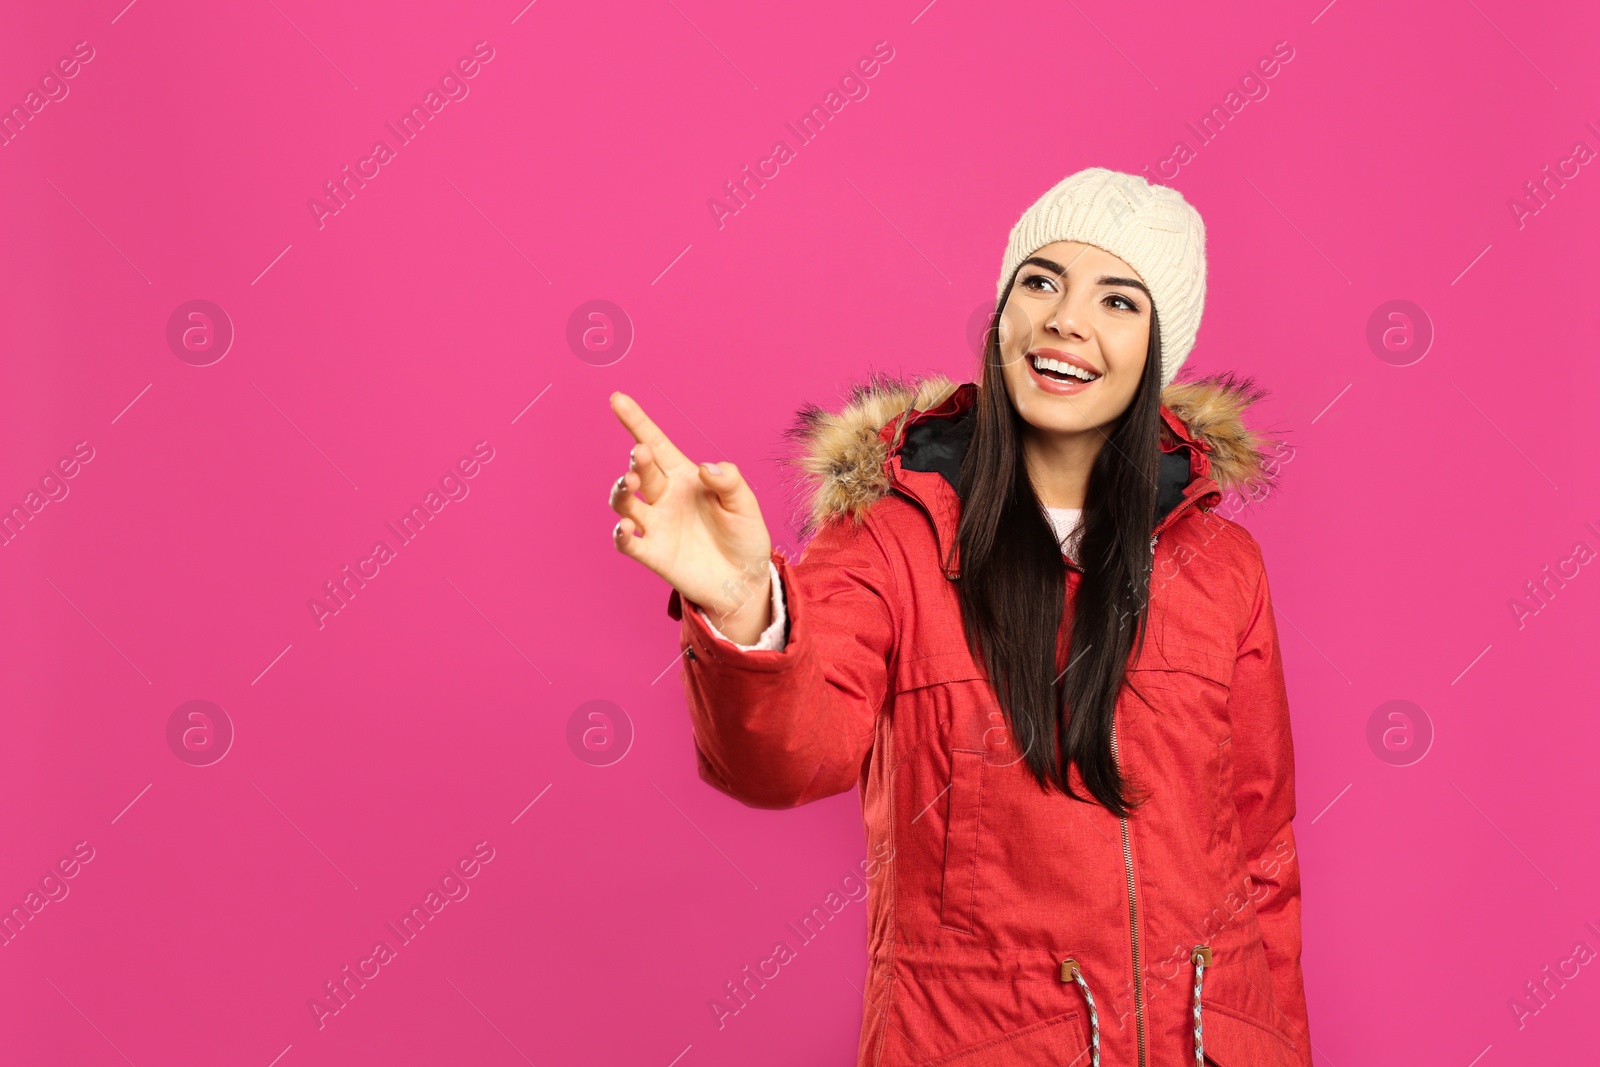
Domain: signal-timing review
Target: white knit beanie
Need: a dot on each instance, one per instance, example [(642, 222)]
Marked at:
[(1152, 228)]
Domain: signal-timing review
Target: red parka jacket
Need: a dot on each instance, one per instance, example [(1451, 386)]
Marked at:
[(1008, 925)]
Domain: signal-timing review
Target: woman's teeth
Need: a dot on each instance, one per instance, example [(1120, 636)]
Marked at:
[(1063, 370)]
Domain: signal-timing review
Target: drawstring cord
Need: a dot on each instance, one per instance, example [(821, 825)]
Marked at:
[(1201, 957), (1071, 972)]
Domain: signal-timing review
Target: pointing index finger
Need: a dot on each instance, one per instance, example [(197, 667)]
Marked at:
[(645, 431)]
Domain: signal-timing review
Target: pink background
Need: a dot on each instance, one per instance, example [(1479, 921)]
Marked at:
[(432, 712)]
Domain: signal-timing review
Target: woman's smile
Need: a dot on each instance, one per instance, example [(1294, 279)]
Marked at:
[(1060, 373)]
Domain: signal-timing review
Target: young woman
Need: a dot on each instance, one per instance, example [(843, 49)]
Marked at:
[(1052, 671)]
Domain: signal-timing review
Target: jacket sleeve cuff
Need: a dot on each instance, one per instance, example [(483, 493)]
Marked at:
[(772, 638), (701, 641)]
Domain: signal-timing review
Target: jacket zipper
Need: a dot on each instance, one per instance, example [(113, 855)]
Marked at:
[(1127, 868), (1133, 913), (1127, 857)]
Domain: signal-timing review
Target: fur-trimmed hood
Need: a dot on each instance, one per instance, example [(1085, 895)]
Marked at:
[(842, 456)]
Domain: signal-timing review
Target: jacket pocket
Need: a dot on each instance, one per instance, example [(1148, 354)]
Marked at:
[(1233, 1040), (1058, 1041), (962, 837)]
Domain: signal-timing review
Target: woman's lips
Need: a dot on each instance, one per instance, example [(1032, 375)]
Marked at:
[(1054, 385)]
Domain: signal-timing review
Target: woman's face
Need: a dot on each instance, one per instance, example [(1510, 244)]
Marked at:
[(1079, 304)]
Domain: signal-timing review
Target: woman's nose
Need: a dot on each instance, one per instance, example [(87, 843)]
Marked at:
[(1062, 322), (1066, 316)]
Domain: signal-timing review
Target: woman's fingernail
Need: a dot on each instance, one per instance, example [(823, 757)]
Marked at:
[(713, 469)]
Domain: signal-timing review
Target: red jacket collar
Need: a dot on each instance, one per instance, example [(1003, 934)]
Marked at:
[(938, 497)]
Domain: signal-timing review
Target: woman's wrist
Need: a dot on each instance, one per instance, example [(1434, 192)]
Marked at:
[(744, 621)]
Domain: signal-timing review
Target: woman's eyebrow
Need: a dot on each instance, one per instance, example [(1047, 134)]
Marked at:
[(1105, 279)]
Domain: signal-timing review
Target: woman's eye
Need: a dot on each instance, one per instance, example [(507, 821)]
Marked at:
[(1044, 283)]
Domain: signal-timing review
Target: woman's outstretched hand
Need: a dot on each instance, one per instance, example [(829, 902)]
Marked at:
[(701, 531)]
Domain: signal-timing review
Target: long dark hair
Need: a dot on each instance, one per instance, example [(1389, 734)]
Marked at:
[(1012, 584)]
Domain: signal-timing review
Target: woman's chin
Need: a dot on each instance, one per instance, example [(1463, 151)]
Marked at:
[(1063, 424)]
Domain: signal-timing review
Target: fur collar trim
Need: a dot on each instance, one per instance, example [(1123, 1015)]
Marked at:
[(842, 456)]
